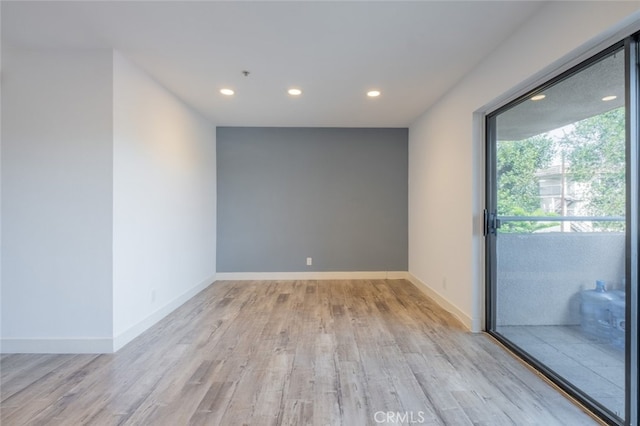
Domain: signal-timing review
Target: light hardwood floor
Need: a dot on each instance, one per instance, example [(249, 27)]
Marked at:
[(292, 353)]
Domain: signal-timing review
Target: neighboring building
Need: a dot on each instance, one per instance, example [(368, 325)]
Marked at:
[(560, 194)]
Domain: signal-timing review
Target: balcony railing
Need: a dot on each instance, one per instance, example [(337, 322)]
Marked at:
[(561, 218), (541, 275)]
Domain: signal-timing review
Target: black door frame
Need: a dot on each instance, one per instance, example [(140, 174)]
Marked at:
[(631, 48)]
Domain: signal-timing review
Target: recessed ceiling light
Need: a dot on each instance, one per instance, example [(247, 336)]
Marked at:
[(295, 92), (373, 93), (538, 97), (609, 98), (227, 92)]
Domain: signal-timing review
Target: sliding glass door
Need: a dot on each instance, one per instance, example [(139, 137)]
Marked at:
[(561, 225)]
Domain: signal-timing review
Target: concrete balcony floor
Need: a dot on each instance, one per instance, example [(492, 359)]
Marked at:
[(596, 368)]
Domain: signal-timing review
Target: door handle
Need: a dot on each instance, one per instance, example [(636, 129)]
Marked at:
[(491, 223)]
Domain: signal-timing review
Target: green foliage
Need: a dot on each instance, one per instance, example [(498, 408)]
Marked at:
[(528, 227), (597, 157), (518, 194), (595, 152)]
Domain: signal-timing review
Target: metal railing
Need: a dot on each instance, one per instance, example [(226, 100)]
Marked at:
[(561, 218)]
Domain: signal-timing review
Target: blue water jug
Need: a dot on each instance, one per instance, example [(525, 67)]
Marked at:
[(595, 311), (618, 320)]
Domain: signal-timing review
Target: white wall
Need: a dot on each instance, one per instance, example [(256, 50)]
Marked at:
[(164, 203), (56, 200), (446, 147), (1, 72), (108, 201)]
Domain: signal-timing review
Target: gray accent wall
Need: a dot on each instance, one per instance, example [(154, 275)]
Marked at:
[(337, 195)]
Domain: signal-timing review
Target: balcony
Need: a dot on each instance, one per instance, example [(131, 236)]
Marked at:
[(541, 277)]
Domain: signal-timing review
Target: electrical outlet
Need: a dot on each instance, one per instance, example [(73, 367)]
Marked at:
[(309, 261), (153, 295), (444, 283)]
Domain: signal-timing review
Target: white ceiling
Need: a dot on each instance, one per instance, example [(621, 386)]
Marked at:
[(568, 101), (334, 51)]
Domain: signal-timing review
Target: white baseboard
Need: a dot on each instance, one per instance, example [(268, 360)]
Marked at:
[(338, 275), (134, 331), (99, 345), (460, 315), (397, 275), (89, 345)]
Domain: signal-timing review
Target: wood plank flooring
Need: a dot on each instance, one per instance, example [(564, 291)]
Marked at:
[(263, 353)]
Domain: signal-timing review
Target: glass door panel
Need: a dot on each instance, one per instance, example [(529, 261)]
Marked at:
[(558, 229)]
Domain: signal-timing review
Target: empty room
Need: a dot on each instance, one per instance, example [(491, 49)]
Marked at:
[(319, 212)]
